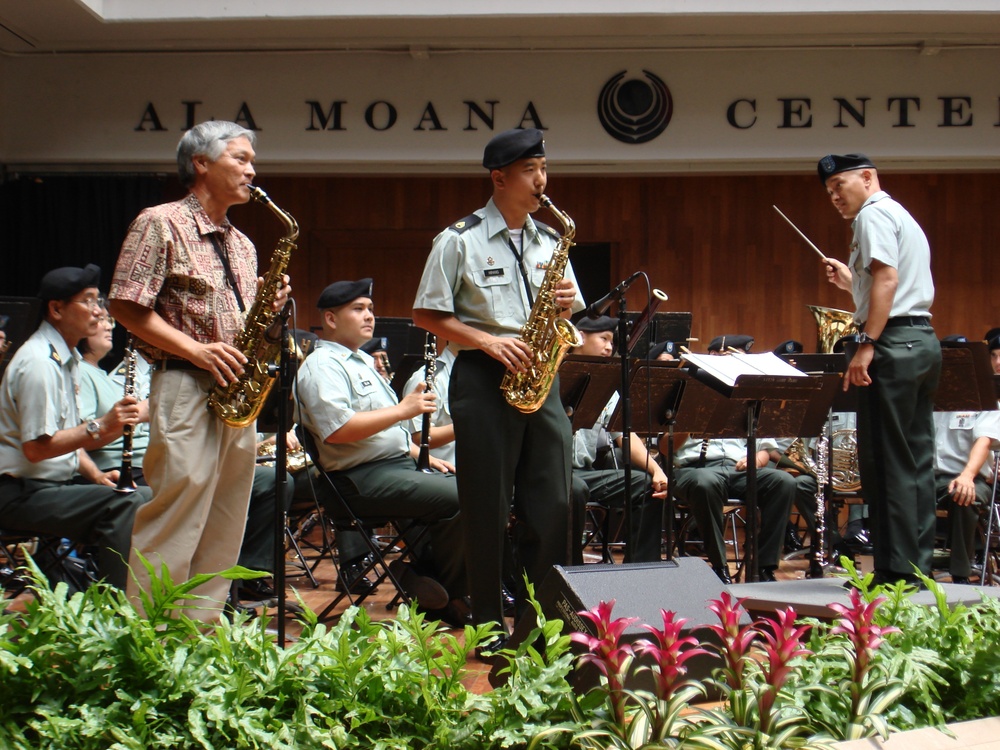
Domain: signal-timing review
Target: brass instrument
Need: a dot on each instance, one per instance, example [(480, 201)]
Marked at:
[(295, 460), (430, 369), (642, 322), (126, 483), (845, 474), (546, 332), (238, 404), (833, 325)]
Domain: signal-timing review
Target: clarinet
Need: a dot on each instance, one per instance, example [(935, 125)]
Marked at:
[(430, 368), (125, 484)]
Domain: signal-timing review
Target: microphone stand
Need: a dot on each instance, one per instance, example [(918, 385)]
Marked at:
[(626, 411), (284, 373)]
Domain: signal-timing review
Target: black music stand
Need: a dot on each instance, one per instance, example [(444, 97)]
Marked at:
[(656, 389), (967, 379), (586, 384), (766, 404), (23, 317)]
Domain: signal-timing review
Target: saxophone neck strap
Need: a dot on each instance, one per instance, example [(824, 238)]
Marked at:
[(224, 259), (519, 255)]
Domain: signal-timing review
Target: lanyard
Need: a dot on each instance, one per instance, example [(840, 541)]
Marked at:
[(224, 258), (520, 267)]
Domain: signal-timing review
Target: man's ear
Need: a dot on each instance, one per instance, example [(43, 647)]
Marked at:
[(330, 319), (200, 163), (498, 176)]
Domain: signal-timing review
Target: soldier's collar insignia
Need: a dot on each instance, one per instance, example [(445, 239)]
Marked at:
[(54, 355)]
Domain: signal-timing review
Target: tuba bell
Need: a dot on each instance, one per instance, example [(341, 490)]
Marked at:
[(833, 325)]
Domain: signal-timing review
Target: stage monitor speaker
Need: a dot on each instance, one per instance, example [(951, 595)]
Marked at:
[(685, 585)]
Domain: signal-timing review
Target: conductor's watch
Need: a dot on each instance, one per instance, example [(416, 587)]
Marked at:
[(864, 338), (94, 429)]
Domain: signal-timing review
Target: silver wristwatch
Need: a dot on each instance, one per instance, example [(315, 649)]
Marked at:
[(864, 338), (94, 429)]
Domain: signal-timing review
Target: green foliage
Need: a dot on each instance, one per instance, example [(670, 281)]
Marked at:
[(87, 671)]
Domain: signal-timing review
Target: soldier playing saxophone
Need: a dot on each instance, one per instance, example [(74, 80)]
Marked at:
[(183, 281), (479, 285)]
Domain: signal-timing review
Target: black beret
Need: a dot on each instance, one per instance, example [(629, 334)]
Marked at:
[(789, 347), (664, 346), (379, 343), (4, 320), (832, 164), (599, 324), (509, 146), (991, 334), (955, 338), (994, 342), (724, 343), (341, 292), (63, 283)]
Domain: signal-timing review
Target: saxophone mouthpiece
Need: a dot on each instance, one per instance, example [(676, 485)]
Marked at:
[(257, 194), (543, 199)]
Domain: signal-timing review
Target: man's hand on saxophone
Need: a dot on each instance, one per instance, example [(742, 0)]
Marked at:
[(565, 295), (283, 295)]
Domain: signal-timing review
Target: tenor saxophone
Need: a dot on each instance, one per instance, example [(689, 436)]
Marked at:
[(546, 332), (238, 404)]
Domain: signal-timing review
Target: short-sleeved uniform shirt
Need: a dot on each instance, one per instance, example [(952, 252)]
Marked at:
[(169, 264), (333, 385), (99, 391), (885, 231), (954, 434), (39, 395), (473, 273), (588, 442)]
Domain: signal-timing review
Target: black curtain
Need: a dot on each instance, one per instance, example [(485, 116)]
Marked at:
[(49, 221)]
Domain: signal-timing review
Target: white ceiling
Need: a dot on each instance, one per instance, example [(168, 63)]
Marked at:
[(62, 26)]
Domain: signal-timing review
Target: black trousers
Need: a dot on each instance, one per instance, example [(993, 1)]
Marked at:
[(507, 459), (896, 448)]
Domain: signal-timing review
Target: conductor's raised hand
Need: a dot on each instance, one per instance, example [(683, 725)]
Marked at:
[(418, 401), (224, 361), (838, 273), (513, 353)]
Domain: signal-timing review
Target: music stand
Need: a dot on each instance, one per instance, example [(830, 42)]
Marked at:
[(23, 318), (967, 379), (586, 385), (757, 404)]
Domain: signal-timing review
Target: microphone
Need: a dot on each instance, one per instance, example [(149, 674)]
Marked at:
[(597, 309)]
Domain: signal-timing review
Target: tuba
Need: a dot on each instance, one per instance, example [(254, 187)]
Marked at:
[(833, 325), (546, 332), (238, 404)]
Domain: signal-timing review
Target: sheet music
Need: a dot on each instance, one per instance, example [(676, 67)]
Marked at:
[(729, 367)]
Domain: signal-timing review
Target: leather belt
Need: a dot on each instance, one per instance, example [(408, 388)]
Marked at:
[(176, 364), (904, 321)]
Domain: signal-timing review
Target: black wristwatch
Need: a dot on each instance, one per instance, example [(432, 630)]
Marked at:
[(864, 338)]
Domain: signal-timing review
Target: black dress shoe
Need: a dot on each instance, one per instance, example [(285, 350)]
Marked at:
[(456, 615), (766, 575), (508, 603), (491, 650), (792, 541), (963, 580), (350, 576), (723, 574), (425, 590), (859, 542), (256, 589)]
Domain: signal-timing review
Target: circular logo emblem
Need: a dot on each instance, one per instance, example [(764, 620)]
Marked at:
[(636, 110)]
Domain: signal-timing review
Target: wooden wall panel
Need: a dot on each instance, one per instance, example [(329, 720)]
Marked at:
[(712, 242)]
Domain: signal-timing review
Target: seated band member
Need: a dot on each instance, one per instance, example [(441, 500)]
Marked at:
[(962, 476), (711, 471), (598, 475), (364, 446), (99, 391), (43, 440), (993, 341)]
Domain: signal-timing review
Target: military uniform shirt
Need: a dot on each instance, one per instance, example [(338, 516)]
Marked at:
[(333, 385), (885, 231), (726, 449), (473, 273), (955, 432), (442, 414), (39, 396), (589, 441), (99, 391)]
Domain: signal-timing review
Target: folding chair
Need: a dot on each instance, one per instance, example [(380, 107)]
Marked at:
[(344, 516), (989, 525), (53, 555), (733, 521)]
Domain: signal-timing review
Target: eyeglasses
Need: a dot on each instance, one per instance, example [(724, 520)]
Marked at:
[(93, 303)]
